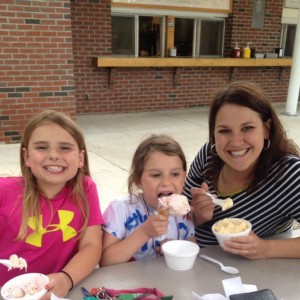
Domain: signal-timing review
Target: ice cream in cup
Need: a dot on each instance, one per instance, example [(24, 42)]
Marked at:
[(227, 228), (29, 286)]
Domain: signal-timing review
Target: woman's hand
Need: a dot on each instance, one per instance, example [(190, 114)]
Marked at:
[(251, 247), (156, 225), (202, 205)]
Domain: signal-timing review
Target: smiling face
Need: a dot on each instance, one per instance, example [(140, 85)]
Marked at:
[(162, 175), (53, 156), (239, 137)]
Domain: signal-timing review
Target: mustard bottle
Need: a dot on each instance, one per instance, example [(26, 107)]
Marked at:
[(247, 51)]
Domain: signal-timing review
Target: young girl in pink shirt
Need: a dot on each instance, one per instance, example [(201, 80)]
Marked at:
[(51, 215)]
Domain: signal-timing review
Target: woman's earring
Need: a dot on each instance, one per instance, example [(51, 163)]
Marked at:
[(28, 164), (268, 144), (213, 150)]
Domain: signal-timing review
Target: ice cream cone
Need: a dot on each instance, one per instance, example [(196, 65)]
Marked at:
[(163, 211), (173, 205)]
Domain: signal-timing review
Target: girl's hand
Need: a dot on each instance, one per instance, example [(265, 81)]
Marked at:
[(202, 205), (156, 225), (251, 247), (59, 285)]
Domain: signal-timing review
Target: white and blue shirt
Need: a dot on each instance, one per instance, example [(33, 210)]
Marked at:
[(125, 215)]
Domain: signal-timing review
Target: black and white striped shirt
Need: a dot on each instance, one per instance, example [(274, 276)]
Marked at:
[(271, 208)]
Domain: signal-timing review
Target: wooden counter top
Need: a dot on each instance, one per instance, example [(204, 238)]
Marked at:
[(155, 62)]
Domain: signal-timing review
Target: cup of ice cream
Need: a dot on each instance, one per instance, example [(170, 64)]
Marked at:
[(227, 228), (29, 286)]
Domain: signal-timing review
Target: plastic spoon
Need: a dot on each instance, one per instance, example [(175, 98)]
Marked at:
[(7, 263), (223, 203), (227, 269), (21, 264)]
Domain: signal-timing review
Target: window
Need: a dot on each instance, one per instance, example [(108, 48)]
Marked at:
[(123, 33), (145, 36), (184, 36), (211, 38), (288, 39), (147, 29), (149, 36)]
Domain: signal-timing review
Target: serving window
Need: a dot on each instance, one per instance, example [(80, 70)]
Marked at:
[(141, 35)]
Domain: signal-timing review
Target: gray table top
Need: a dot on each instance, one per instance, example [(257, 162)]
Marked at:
[(279, 275)]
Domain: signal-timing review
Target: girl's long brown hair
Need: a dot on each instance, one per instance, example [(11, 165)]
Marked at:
[(31, 205)]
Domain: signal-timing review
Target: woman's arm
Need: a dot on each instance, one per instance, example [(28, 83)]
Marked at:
[(253, 247), (202, 205), (289, 248)]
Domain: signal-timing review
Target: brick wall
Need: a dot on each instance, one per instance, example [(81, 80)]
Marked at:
[(148, 89), (36, 62), (46, 61), (91, 34), (239, 29)]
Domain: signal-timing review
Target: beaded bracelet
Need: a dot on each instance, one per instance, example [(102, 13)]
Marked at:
[(67, 274)]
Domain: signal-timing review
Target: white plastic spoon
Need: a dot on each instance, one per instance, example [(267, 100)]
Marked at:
[(225, 204), (227, 269), (20, 264), (7, 263)]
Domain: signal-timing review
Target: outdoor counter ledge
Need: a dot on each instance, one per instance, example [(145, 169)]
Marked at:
[(158, 62)]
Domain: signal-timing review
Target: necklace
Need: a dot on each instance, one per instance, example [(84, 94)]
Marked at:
[(224, 186)]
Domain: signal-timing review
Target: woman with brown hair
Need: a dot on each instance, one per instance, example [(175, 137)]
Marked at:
[(249, 159)]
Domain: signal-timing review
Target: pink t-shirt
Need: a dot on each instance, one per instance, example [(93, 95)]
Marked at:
[(56, 241)]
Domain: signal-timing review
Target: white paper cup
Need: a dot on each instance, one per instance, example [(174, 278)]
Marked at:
[(180, 254), (221, 237)]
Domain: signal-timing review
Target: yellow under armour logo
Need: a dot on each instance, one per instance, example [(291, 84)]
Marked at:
[(65, 217)]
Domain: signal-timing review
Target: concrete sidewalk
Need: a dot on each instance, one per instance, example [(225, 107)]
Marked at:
[(112, 140)]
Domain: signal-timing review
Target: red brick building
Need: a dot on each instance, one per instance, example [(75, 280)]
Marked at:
[(46, 62)]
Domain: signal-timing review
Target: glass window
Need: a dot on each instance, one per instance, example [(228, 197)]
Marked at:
[(149, 36), (288, 39), (205, 40), (145, 36), (211, 38), (123, 30), (184, 36)]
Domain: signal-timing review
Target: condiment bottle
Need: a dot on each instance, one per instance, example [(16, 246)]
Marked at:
[(247, 51), (173, 52), (236, 52)]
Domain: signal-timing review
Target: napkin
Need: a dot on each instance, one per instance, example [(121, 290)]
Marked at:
[(231, 286), (235, 286)]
